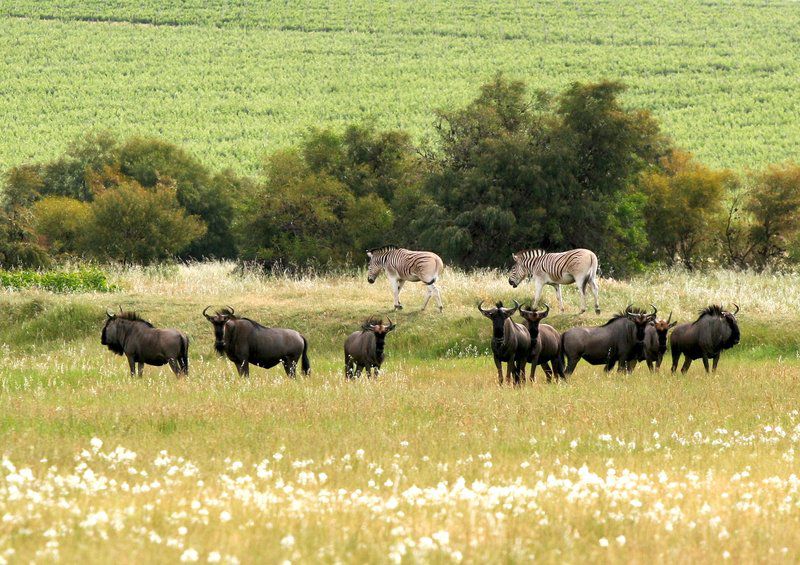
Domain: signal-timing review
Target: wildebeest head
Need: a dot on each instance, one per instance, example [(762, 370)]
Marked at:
[(498, 315), (730, 317), (533, 318), (218, 320), (113, 333), (376, 326), (376, 257), (663, 326), (641, 319)]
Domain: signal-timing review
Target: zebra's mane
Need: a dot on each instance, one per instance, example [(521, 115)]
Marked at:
[(528, 253), (382, 248), (712, 310), (133, 317)]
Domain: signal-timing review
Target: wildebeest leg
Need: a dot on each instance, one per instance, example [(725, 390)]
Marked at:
[(132, 365), (173, 364), (348, 367), (595, 291), (358, 370), (376, 372), (650, 366), (561, 299), (627, 366), (548, 370), (290, 366), (610, 364), (705, 363), (499, 365), (571, 364), (243, 368), (676, 357), (534, 362), (716, 360), (519, 373), (659, 359), (509, 368), (140, 368), (686, 363)]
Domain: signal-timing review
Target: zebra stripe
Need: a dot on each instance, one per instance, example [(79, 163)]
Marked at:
[(574, 266), (402, 265)]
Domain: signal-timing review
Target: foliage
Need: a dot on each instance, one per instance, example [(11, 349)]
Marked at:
[(516, 173), (683, 209), (133, 224), (60, 221), (82, 280)]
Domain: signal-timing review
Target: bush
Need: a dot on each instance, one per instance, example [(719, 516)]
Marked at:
[(132, 224), (60, 221), (83, 280)]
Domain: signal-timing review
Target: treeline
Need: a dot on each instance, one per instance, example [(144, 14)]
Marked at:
[(511, 170)]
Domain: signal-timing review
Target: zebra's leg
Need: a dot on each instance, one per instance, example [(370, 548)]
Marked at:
[(582, 291), (595, 291), (560, 299), (438, 296), (537, 293), (428, 294), (396, 286)]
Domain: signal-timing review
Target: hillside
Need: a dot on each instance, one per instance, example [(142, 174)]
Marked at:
[(231, 80)]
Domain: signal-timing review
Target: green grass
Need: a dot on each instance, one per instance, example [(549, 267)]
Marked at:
[(430, 463), (232, 80)]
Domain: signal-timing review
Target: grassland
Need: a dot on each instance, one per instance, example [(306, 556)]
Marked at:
[(231, 80), (432, 462)]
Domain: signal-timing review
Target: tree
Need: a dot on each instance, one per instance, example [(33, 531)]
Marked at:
[(683, 208), (60, 222), (133, 224)]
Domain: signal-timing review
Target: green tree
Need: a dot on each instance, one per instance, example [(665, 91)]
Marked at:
[(134, 224), (60, 222), (684, 208)]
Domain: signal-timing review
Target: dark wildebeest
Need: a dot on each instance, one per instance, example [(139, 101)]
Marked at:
[(545, 344), (617, 341), (511, 342), (127, 334), (705, 338), (364, 349), (245, 341), (655, 344)]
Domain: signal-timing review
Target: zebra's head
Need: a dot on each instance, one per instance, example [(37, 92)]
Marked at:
[(376, 259), (518, 271)]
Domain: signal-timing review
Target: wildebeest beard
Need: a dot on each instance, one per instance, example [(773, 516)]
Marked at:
[(116, 347), (219, 343)]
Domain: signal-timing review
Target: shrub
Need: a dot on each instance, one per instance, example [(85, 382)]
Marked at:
[(61, 222), (83, 280)]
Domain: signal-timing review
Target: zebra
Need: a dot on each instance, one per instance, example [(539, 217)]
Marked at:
[(574, 266), (402, 265)]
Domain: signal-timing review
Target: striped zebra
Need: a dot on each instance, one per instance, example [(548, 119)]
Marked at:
[(402, 265), (574, 266)]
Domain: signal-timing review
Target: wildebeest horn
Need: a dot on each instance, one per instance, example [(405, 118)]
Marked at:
[(120, 308), (391, 324), (670, 317), (737, 309), (628, 308), (655, 310), (523, 310), (109, 314), (482, 311), (546, 312), (230, 309), (204, 312)]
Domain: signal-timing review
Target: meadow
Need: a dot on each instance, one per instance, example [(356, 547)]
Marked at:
[(231, 80), (432, 462)]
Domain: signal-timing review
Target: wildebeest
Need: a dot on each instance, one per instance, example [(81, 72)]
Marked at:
[(705, 338), (616, 341), (511, 342), (364, 349), (545, 347), (401, 266), (577, 266), (128, 334), (655, 343), (245, 341)]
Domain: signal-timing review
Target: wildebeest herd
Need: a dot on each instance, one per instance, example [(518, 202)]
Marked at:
[(629, 337)]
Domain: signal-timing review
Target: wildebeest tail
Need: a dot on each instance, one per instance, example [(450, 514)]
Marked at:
[(306, 365), (183, 356)]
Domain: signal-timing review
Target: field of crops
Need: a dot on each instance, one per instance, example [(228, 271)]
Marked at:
[(231, 80), (433, 462)]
